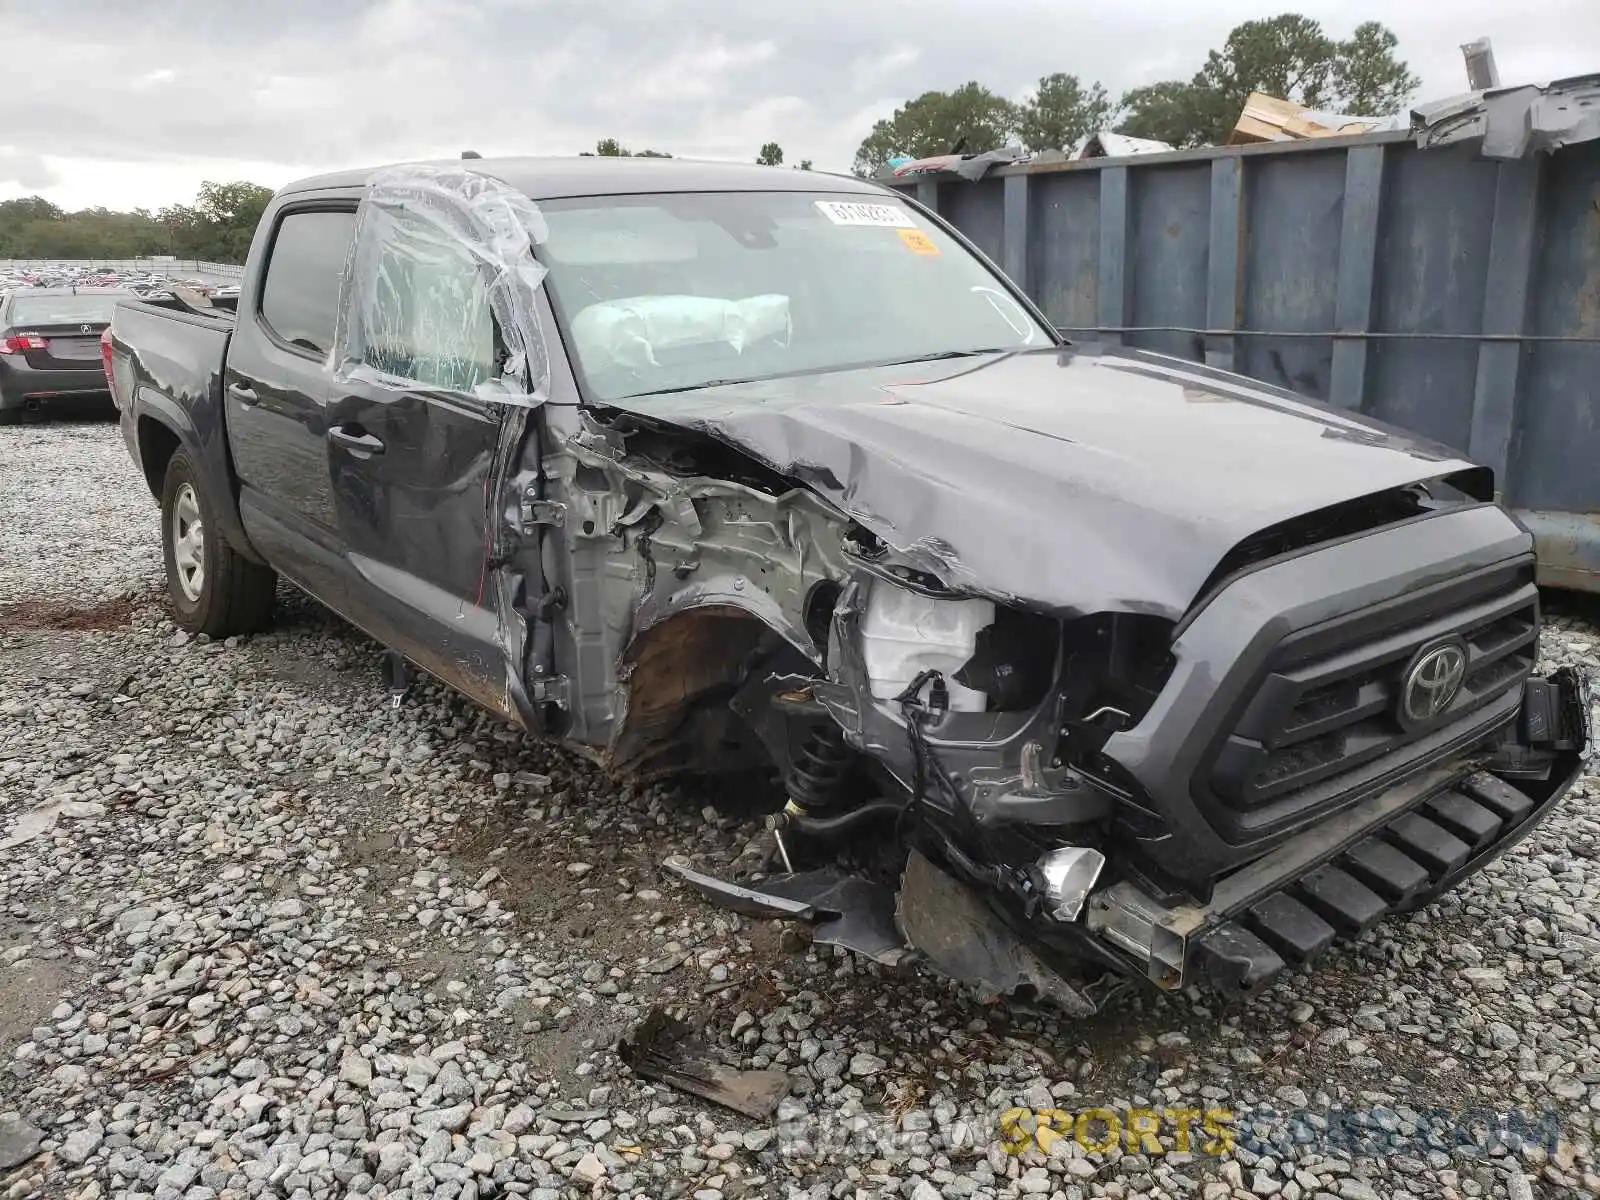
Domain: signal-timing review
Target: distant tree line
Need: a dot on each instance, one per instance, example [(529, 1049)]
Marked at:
[(217, 227), (1287, 56), (770, 155)]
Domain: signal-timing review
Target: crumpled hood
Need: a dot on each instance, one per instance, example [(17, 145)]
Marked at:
[(1079, 479)]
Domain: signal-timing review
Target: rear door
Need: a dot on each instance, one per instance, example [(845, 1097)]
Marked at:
[(412, 454), (275, 394)]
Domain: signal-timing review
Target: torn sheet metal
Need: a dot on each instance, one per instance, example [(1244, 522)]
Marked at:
[(746, 901), (962, 938), (667, 1048), (677, 561), (1128, 476), (844, 910), (1107, 144), (849, 911), (440, 287), (971, 167), (1514, 122)]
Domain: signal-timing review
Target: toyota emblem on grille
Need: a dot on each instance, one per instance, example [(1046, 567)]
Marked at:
[(1432, 682), (85, 328)]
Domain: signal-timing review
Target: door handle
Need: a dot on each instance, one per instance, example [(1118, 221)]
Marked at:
[(242, 392), (355, 439)]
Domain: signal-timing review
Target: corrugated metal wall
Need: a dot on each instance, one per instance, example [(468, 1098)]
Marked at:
[(1443, 292)]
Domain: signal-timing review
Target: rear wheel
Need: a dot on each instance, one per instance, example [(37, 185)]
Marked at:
[(213, 588)]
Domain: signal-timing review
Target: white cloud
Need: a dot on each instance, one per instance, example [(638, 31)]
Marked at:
[(137, 103)]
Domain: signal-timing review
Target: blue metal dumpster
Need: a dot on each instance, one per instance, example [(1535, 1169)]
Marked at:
[(1442, 291)]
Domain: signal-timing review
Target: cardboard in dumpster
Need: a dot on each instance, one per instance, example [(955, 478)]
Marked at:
[(1268, 119)]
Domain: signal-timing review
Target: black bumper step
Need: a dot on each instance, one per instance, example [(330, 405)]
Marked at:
[(1290, 928), (1510, 805), (1236, 960), (1394, 875), (1341, 899), (1431, 845), (1470, 821), (1392, 869)]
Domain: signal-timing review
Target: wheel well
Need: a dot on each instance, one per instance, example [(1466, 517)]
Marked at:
[(157, 445), (690, 662)]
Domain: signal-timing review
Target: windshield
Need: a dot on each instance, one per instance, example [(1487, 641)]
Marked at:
[(84, 309), (671, 292)]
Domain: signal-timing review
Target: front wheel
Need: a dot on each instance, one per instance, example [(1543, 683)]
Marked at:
[(213, 588)]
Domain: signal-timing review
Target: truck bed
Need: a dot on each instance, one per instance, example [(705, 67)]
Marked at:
[(167, 363), (162, 348), (218, 309)]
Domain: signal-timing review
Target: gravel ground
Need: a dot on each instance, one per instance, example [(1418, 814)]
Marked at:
[(283, 940)]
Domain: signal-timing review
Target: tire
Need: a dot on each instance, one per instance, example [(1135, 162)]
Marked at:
[(212, 588)]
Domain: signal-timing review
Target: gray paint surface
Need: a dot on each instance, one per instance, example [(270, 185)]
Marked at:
[(1448, 293)]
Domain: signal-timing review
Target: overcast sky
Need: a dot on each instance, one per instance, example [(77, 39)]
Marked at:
[(134, 103)]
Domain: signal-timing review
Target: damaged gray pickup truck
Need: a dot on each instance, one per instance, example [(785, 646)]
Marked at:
[(1072, 662)]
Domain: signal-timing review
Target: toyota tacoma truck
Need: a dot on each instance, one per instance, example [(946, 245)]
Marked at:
[(1069, 662)]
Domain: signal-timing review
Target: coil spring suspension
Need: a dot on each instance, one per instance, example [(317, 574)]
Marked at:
[(819, 778)]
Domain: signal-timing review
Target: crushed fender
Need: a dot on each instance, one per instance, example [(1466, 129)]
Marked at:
[(665, 1047)]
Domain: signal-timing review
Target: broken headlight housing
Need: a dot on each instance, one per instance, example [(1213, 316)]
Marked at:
[(1065, 877)]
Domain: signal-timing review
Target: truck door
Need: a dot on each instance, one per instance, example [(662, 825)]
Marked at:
[(275, 395), (411, 454)]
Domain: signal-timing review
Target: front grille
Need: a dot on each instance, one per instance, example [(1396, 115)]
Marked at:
[(1324, 722)]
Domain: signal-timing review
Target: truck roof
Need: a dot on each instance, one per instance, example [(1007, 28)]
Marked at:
[(593, 175)]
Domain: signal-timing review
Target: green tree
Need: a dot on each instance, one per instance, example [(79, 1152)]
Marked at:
[(1288, 56), (1062, 112), (804, 165), (771, 155), (231, 211), (29, 208), (611, 148), (187, 232), (1166, 112), (219, 225), (1368, 79), (971, 119)]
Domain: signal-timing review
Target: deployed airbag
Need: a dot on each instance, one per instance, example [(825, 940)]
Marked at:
[(630, 332)]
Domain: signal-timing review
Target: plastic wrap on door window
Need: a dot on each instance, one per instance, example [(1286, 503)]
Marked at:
[(437, 251)]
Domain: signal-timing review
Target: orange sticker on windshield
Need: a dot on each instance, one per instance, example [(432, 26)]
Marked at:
[(919, 242)]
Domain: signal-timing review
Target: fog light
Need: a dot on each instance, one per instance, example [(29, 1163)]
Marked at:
[(1068, 874)]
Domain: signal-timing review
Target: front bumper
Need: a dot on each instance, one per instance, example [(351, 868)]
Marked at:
[(1395, 584), (1389, 855), (1399, 866)]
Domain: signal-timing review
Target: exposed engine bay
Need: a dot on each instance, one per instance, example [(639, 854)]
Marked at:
[(942, 761)]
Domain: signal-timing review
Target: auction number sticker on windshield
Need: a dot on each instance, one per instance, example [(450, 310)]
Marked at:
[(918, 242), (851, 212)]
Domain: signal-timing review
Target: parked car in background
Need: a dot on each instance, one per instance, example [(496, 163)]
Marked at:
[(50, 348)]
